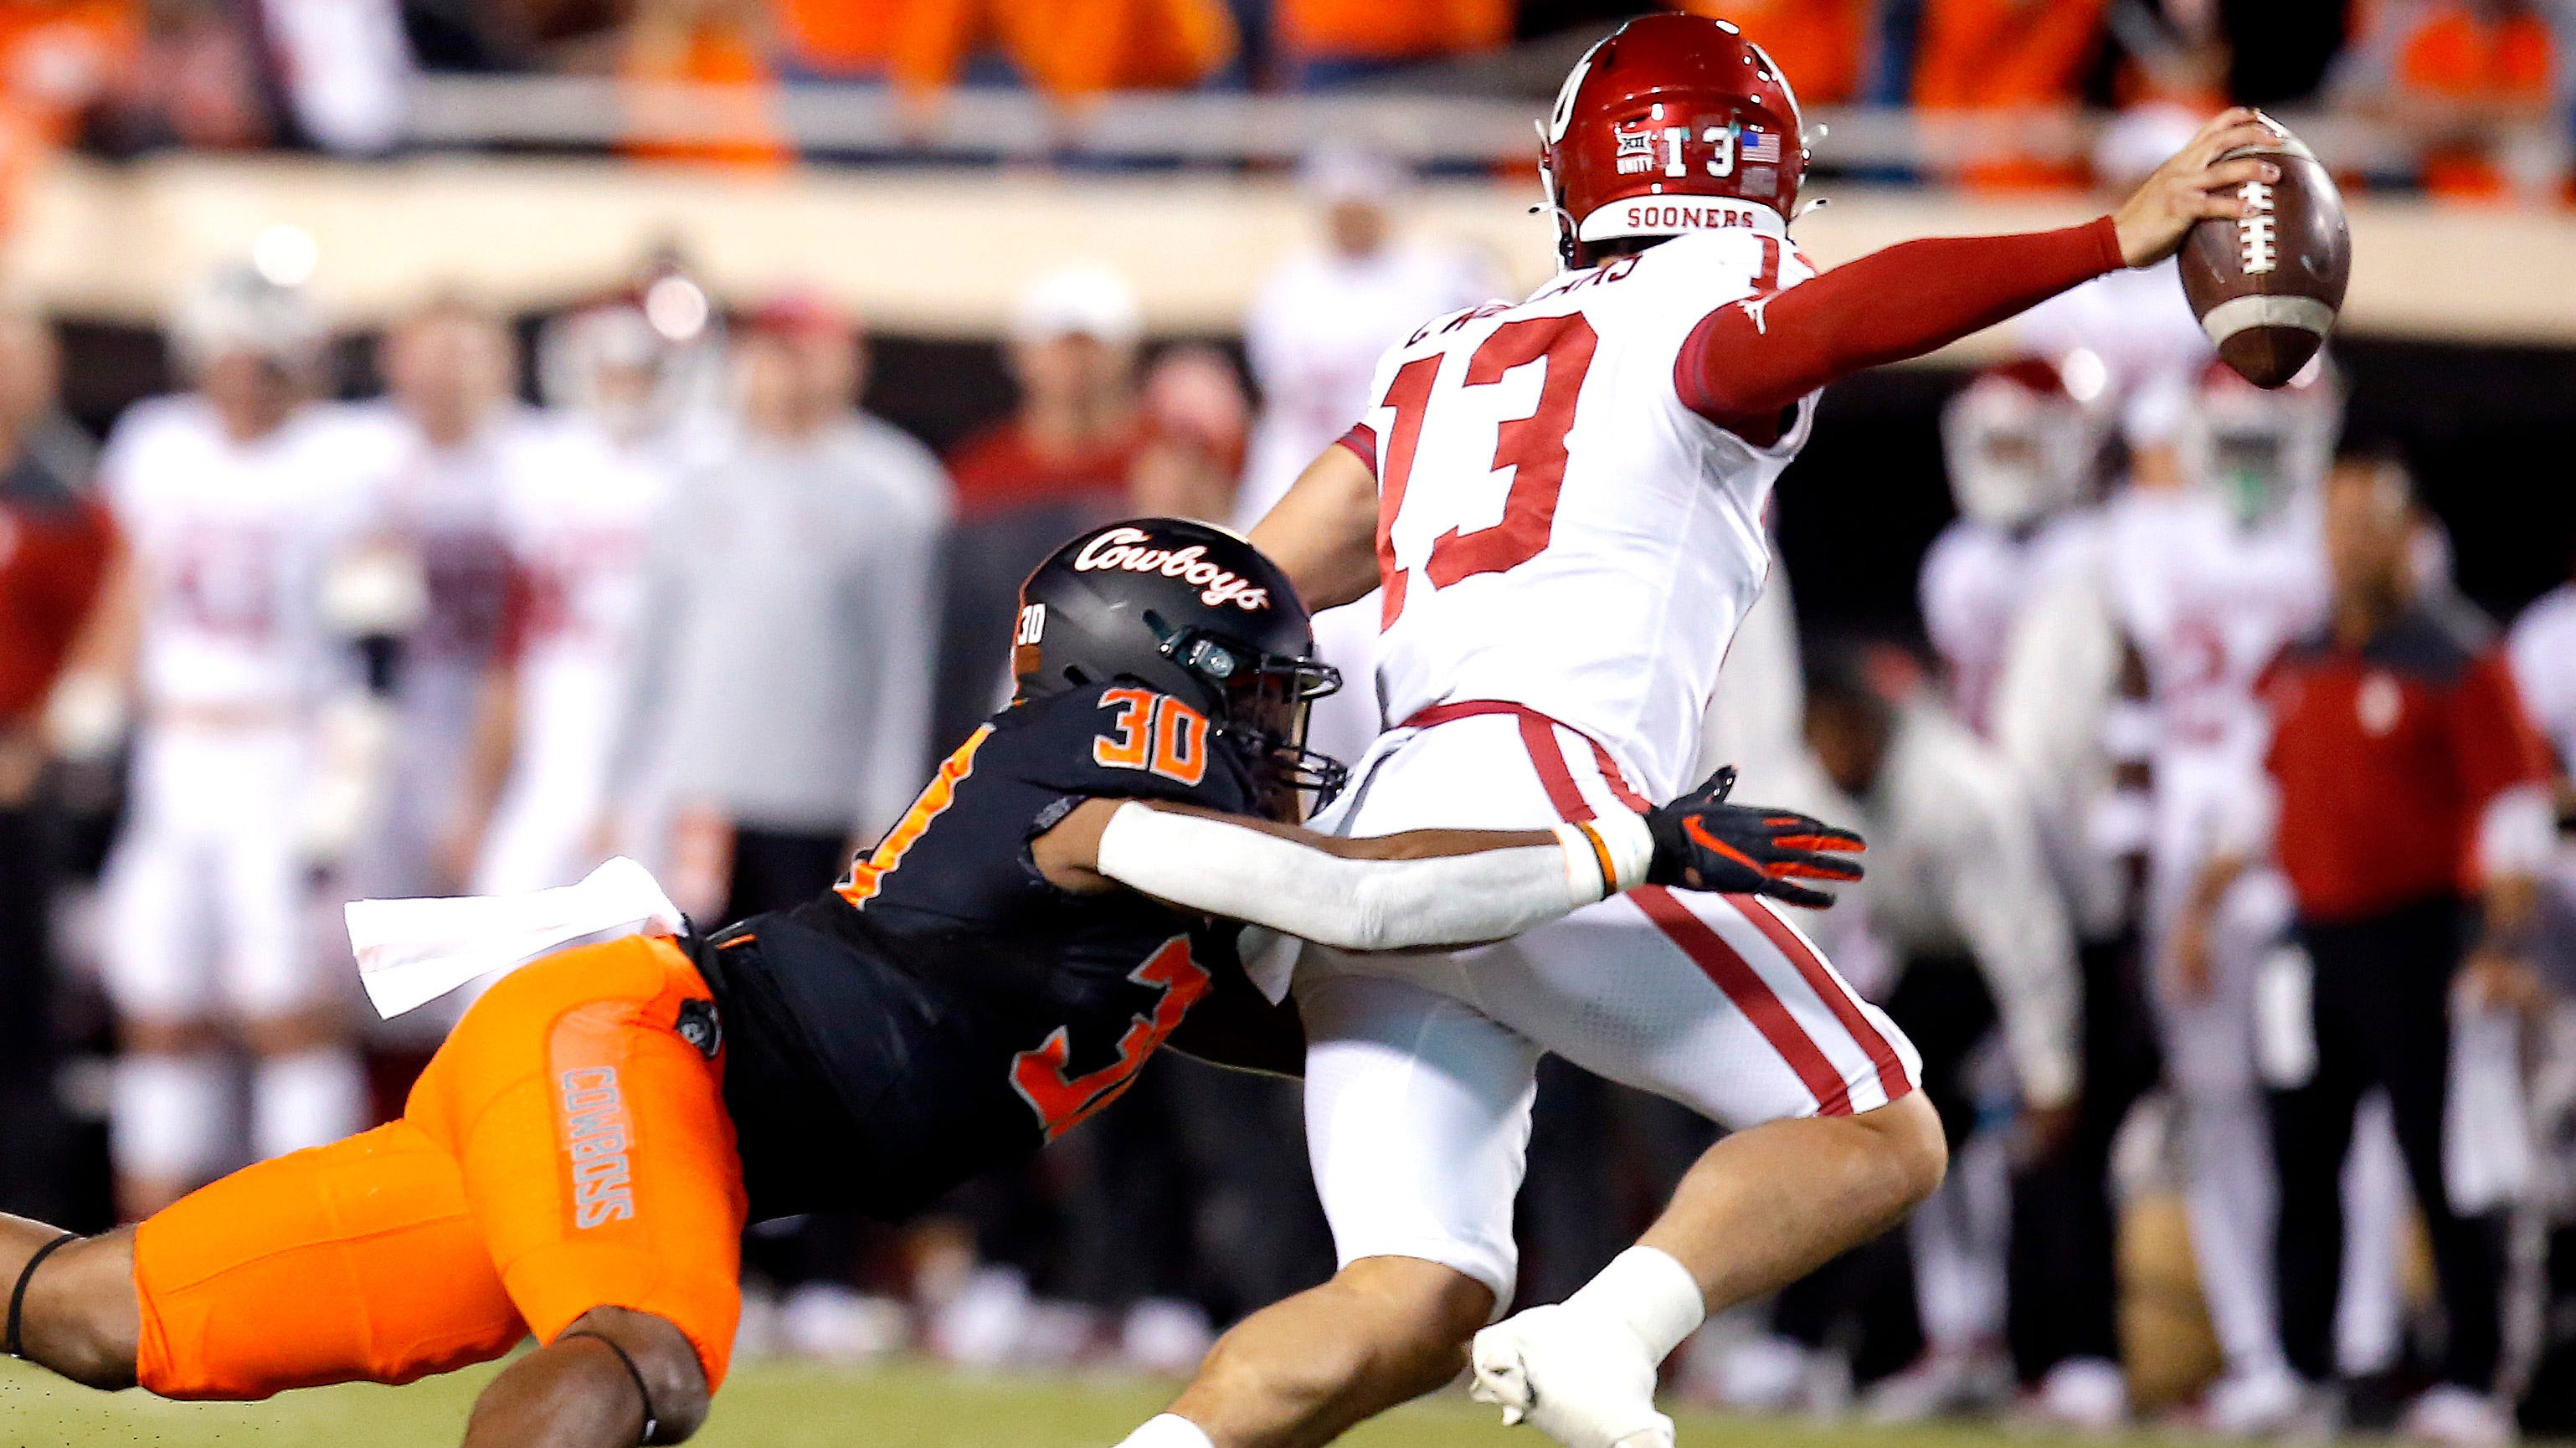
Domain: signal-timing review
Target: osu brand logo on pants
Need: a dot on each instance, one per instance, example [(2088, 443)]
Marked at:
[(595, 1136)]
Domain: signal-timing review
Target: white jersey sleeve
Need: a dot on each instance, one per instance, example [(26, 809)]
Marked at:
[(1557, 530), (2543, 651)]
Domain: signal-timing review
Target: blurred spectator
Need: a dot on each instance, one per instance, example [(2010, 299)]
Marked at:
[(837, 38), (1962, 895), (1998, 82), (440, 448), (1328, 42), (345, 68), (1060, 464), (61, 63), (2470, 80), (197, 83), (56, 541), (577, 515), (781, 692), (1196, 417), (2410, 794), (699, 86), (1314, 336), (1067, 50), (1822, 45), (234, 498)]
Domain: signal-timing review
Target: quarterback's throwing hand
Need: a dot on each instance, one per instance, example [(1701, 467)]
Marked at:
[(2197, 181), (1704, 843)]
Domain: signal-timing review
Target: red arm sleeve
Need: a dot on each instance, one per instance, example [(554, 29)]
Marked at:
[(1748, 360), (1362, 442)]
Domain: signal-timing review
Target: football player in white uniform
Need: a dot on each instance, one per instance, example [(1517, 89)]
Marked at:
[(2021, 451), (577, 507), (233, 498), (443, 443), (1562, 499), (2205, 578)]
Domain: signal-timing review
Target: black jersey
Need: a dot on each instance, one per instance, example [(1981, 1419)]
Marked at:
[(945, 1007)]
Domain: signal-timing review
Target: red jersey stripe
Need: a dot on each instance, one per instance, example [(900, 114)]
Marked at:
[(1725, 968), (1891, 1069)]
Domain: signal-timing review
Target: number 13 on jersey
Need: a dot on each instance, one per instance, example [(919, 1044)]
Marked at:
[(1531, 447)]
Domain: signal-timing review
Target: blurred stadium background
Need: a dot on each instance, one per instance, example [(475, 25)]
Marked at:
[(1041, 231)]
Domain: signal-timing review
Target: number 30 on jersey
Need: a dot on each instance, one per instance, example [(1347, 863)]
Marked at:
[(1155, 733)]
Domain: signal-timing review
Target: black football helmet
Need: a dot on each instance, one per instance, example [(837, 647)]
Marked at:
[(1192, 611)]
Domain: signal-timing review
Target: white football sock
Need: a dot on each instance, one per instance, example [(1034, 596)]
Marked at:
[(169, 1116), (1169, 1430), (305, 1099), (1649, 1293)]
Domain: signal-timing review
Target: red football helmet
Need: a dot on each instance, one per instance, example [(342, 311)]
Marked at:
[(1675, 123), (2021, 444)]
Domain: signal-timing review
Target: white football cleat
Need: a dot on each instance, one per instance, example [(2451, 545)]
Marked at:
[(1584, 1382)]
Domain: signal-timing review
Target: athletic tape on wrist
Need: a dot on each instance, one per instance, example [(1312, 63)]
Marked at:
[(1605, 856)]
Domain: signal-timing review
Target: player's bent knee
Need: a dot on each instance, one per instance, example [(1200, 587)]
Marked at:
[(666, 1368), (1918, 1153)]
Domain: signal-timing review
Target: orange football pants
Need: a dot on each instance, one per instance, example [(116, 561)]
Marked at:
[(565, 1150)]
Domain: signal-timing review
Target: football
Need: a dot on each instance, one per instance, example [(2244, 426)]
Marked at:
[(2267, 286)]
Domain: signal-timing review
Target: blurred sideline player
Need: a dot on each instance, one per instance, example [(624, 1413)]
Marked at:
[(1063, 898), (579, 504), (1563, 499), (1960, 895), (2203, 568), (1314, 336), (2020, 447), (445, 442), (2543, 645), (234, 497)]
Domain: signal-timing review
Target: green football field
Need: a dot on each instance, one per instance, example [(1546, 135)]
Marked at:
[(792, 1407)]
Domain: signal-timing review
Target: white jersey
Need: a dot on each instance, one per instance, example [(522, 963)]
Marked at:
[(2207, 605), (1314, 337), (2543, 649), (1558, 530), (577, 515), (1977, 581), (231, 540)]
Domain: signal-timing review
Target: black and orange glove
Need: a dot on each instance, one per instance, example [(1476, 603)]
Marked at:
[(1704, 843)]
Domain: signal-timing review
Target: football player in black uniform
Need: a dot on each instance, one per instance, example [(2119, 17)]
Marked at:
[(1064, 897)]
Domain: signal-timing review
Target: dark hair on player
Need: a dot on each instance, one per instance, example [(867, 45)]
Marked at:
[(2381, 460), (1838, 677)]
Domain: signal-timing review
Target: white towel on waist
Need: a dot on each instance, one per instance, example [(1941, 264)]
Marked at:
[(411, 952)]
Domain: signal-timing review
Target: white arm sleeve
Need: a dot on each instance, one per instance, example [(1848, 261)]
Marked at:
[(2002, 902), (1243, 874)]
